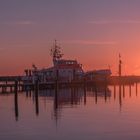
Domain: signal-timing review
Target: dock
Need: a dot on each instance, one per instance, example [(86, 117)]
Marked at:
[(8, 83)]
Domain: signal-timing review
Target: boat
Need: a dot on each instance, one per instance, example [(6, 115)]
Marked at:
[(64, 70)]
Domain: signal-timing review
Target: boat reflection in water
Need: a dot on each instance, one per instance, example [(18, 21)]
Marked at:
[(67, 97), (75, 96)]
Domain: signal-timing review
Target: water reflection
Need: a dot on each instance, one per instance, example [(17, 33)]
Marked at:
[(68, 97), (63, 111), (120, 96), (74, 96)]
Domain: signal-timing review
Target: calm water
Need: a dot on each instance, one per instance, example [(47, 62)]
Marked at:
[(91, 114)]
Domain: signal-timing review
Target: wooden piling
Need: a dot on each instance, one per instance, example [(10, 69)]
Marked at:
[(56, 90), (85, 96), (16, 101), (120, 96), (36, 97), (123, 91), (114, 92), (105, 92), (96, 98), (129, 90), (136, 88)]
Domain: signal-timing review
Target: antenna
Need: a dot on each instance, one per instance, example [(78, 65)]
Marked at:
[(34, 67), (56, 52)]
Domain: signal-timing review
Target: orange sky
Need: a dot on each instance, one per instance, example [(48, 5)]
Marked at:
[(93, 32)]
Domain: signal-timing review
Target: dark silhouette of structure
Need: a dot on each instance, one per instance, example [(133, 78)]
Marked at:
[(120, 66)]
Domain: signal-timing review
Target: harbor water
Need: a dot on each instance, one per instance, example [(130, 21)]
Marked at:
[(91, 113)]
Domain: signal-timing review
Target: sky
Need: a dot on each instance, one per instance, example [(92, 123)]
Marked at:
[(93, 32)]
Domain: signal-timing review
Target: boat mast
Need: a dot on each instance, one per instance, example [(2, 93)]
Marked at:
[(56, 52)]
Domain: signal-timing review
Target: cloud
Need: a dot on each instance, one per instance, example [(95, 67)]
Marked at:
[(100, 22), (22, 22), (90, 42)]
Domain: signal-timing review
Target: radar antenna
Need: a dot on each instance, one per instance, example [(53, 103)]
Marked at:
[(34, 67), (56, 52)]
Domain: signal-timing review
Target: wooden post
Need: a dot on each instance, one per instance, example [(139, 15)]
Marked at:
[(105, 92), (130, 90), (114, 92), (136, 88), (56, 90), (120, 96), (19, 85), (36, 97), (96, 97), (16, 101), (123, 91), (85, 95)]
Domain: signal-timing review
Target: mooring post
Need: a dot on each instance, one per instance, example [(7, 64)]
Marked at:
[(56, 89), (56, 96), (85, 96), (105, 92), (96, 98), (114, 91), (36, 97), (123, 91), (19, 85), (136, 88), (120, 96), (16, 100), (130, 90)]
